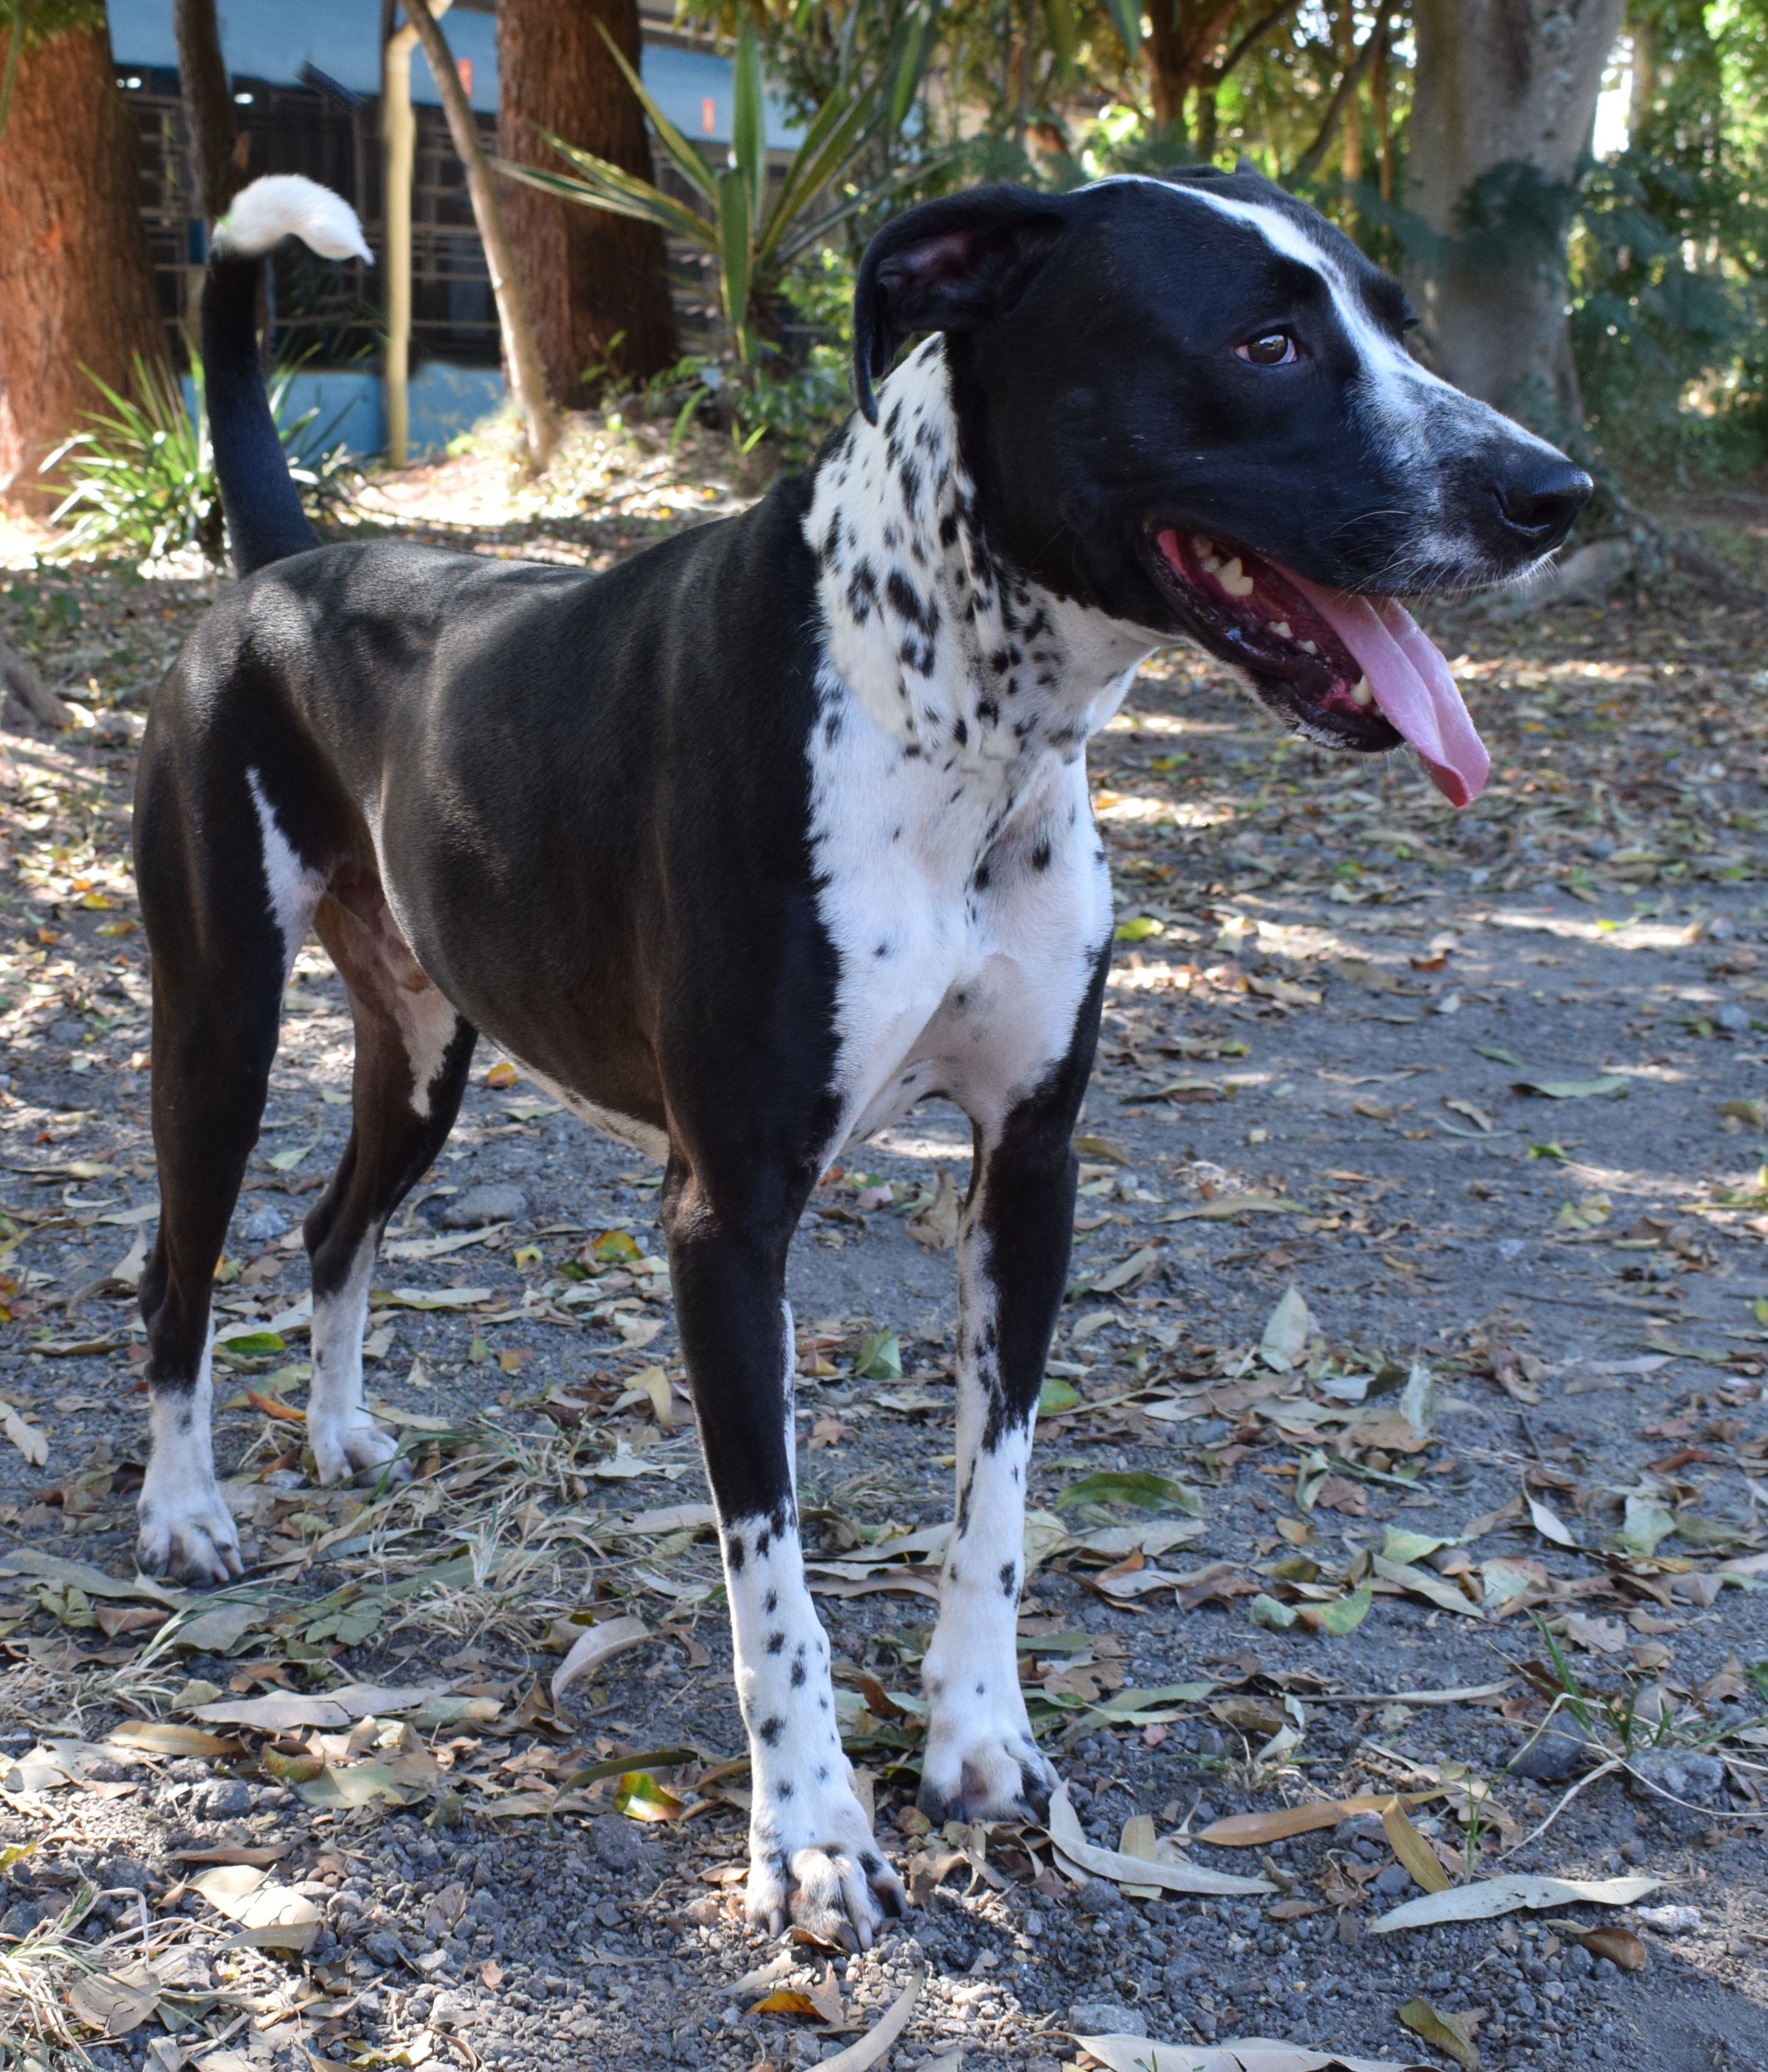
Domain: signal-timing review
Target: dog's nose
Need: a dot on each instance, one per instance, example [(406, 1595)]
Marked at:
[(1539, 496)]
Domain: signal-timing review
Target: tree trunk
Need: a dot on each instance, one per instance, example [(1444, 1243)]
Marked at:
[(1351, 160), (1184, 35), (1503, 103), (76, 286), (597, 284), (210, 134)]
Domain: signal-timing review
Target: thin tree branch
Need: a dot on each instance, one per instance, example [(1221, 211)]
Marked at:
[(1191, 68), (1259, 29), (20, 681), (1308, 164), (527, 377)]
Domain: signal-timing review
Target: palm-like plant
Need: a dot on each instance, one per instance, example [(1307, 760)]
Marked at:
[(143, 476), (752, 241)]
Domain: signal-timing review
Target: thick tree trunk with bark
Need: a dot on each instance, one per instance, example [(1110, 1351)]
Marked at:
[(76, 286), (1502, 107), (210, 134), (591, 278)]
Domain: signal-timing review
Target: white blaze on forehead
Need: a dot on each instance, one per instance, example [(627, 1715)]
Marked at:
[(1411, 387)]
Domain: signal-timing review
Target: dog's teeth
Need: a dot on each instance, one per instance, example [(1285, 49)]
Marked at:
[(1361, 692), (1308, 647), (1201, 547), (1281, 628), (1234, 580)]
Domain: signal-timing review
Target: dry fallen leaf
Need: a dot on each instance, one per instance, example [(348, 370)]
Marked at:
[(1411, 1848), (1488, 1897), (787, 2000), (936, 1226), (598, 1644), (1286, 1333), (30, 1441), (1452, 2034), (1246, 1830), (1252, 2053), (875, 2045), (1549, 1524), (1613, 1940), (1596, 1636), (268, 1911), (1064, 1829)]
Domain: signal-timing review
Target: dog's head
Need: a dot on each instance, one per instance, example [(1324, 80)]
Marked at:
[(1187, 403)]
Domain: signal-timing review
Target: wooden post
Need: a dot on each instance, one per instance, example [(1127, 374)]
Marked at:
[(399, 156), (521, 356)]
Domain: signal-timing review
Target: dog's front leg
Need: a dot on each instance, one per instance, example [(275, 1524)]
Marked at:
[(811, 1855), (981, 1760)]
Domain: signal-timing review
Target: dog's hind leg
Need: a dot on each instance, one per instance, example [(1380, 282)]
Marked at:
[(812, 1858), (222, 939), (412, 1053)]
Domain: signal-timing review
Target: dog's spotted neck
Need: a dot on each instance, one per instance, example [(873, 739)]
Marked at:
[(959, 656)]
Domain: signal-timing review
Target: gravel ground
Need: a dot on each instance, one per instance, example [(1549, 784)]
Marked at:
[(1328, 994)]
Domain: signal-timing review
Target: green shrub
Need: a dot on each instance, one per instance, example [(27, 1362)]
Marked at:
[(142, 478)]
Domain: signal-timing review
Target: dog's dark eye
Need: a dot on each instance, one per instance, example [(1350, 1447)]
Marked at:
[(1271, 348)]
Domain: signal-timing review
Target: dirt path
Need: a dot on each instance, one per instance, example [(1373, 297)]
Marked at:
[(1330, 993)]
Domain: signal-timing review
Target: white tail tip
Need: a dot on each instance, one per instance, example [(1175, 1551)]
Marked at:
[(290, 205)]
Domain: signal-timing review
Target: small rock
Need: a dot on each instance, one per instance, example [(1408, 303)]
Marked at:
[(1096, 1898), (1360, 1828), (1106, 2018), (1554, 1755), (1522, 2000), (68, 1032), (264, 1226), (1395, 1880), (1734, 1019), (1667, 1920), (497, 1202), (21, 1917), (449, 2011), (228, 1798), (126, 1870), (622, 1844), (1683, 1772), (382, 1947)]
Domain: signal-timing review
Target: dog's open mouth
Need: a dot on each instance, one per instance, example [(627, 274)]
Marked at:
[(1358, 672)]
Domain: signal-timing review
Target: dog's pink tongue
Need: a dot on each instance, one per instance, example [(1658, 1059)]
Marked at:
[(1412, 685)]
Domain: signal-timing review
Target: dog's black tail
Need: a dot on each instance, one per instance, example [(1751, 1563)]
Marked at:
[(265, 520)]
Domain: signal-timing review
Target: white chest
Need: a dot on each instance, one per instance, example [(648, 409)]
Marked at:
[(968, 903)]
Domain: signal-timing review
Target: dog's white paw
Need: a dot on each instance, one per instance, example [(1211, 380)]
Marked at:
[(187, 1534), (981, 1763), (342, 1448), (825, 1873)]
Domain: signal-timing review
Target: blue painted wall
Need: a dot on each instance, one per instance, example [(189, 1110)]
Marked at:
[(351, 406)]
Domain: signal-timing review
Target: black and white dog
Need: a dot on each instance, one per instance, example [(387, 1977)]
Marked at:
[(749, 844)]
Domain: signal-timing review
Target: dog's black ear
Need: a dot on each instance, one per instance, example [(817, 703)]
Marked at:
[(948, 265)]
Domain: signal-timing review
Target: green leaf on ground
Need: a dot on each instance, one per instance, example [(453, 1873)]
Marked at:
[(1452, 2034), (879, 1357), (1140, 1489), (1347, 1614), (1057, 1396)]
